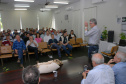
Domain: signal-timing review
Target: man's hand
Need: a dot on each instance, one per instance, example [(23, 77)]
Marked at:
[(111, 61), (31, 41), (52, 43), (84, 74), (16, 51), (86, 24)]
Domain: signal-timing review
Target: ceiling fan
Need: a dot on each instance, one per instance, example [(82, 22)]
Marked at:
[(47, 2), (3, 2)]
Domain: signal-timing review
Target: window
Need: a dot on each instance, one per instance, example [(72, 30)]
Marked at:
[(38, 21), (53, 23), (20, 23), (1, 25)]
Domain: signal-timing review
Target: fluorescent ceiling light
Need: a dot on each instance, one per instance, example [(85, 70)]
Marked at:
[(21, 5), (25, 0), (51, 6), (61, 2), (45, 9), (20, 9)]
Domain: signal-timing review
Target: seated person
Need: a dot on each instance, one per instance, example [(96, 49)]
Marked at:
[(19, 48), (31, 75), (59, 33), (34, 34), (72, 35), (4, 38), (100, 74), (23, 36), (119, 68), (47, 36), (38, 39), (32, 47), (15, 33), (26, 38), (54, 44), (42, 35), (64, 41), (7, 42), (56, 36)]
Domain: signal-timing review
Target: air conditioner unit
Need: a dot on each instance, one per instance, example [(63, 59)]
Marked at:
[(97, 1)]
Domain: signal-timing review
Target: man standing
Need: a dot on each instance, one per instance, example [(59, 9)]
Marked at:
[(64, 41), (100, 74), (94, 37), (19, 48), (55, 45), (32, 46), (119, 68)]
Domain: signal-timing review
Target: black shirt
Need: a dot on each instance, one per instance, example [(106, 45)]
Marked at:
[(65, 39)]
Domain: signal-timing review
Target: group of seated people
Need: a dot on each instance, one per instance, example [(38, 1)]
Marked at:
[(101, 73), (20, 41)]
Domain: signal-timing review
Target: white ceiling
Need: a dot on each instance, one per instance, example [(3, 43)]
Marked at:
[(36, 5)]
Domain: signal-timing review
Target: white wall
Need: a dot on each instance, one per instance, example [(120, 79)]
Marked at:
[(107, 14), (11, 19), (73, 21)]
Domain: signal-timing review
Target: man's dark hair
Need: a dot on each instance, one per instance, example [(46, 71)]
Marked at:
[(36, 35), (71, 31), (30, 75), (27, 33), (64, 32)]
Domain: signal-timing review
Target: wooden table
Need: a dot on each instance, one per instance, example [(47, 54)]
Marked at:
[(67, 74)]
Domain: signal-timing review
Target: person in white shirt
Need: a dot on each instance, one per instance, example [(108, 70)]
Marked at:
[(32, 46), (47, 37), (59, 33), (100, 74), (56, 36), (94, 37)]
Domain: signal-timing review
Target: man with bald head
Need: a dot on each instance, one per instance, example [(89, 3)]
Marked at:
[(100, 74), (119, 68), (32, 46)]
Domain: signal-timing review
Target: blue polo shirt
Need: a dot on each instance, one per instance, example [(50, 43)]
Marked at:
[(120, 72)]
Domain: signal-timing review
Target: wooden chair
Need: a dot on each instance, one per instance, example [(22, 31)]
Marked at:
[(112, 53), (80, 41), (29, 53), (74, 44), (6, 52), (43, 47)]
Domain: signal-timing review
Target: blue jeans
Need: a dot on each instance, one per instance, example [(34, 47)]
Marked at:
[(20, 55), (91, 49), (69, 48), (58, 49)]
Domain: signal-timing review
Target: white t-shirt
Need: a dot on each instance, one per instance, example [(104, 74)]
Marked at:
[(46, 38), (32, 44)]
